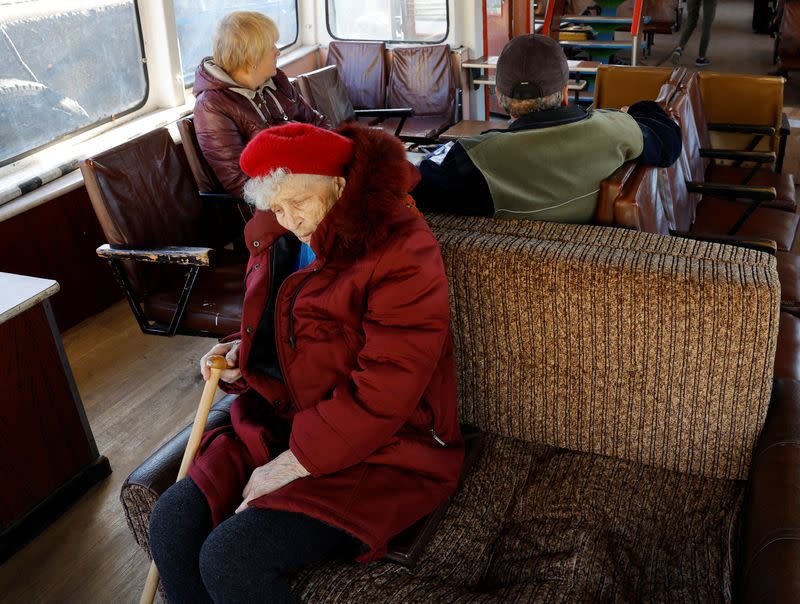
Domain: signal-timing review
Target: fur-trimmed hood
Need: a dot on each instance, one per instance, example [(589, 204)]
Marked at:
[(374, 198)]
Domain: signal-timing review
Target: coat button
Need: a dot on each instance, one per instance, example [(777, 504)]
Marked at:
[(256, 243), (256, 266), (249, 329)]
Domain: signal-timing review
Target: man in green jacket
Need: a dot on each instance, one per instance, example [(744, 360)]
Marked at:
[(549, 163)]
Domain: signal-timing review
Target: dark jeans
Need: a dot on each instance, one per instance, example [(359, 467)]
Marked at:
[(245, 559)]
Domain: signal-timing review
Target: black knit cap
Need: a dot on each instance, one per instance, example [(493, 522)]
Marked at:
[(531, 67)]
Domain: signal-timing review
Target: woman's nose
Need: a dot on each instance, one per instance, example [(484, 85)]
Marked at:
[(292, 221)]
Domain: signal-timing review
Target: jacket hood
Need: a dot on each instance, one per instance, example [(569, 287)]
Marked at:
[(210, 76), (374, 198)]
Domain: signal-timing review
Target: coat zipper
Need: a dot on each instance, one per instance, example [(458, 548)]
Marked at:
[(291, 305), (278, 346), (277, 104), (435, 436)]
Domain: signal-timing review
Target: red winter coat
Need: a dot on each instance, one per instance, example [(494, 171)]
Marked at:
[(367, 402), (225, 120)]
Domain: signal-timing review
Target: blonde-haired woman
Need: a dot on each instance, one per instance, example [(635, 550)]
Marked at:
[(240, 91)]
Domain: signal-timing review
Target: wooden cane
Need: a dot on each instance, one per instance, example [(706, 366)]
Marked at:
[(217, 364)]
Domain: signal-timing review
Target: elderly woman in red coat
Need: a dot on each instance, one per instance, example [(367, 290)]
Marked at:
[(240, 91), (345, 429)]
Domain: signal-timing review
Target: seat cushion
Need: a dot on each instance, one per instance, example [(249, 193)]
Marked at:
[(215, 305), (427, 127), (538, 524), (787, 355), (716, 217), (783, 182)]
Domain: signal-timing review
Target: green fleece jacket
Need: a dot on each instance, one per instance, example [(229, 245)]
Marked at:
[(554, 173)]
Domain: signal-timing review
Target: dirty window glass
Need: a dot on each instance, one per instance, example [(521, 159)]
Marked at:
[(389, 20), (196, 22), (65, 66)]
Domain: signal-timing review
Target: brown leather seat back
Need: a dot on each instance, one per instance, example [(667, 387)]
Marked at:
[(683, 112), (324, 90), (696, 100), (642, 205), (422, 78), (789, 36), (203, 174), (362, 68), (144, 196)]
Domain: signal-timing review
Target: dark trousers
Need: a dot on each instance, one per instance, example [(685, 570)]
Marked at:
[(693, 10), (245, 559)]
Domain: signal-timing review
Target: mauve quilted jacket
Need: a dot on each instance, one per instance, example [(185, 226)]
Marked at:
[(367, 400), (225, 120)]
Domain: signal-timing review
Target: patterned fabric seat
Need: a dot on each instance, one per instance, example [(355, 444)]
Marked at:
[(622, 380), (534, 523)]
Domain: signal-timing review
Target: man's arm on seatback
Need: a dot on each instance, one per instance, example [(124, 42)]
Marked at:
[(662, 136), (452, 184)]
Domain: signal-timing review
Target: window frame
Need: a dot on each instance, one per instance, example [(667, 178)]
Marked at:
[(429, 42), (114, 116)]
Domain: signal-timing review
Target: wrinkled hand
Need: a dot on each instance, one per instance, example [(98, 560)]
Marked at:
[(230, 350), (272, 476)]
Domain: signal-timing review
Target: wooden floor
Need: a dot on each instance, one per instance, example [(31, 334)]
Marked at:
[(139, 390)]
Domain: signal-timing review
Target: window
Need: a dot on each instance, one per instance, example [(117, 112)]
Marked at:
[(390, 20), (196, 22), (65, 66)]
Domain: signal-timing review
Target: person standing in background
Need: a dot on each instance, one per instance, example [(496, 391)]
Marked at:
[(693, 10)]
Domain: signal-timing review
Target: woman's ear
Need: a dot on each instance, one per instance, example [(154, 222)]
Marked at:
[(339, 183)]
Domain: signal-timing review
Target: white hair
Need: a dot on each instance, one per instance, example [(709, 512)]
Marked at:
[(260, 190)]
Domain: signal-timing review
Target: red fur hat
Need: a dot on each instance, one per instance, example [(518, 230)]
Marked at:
[(298, 148)]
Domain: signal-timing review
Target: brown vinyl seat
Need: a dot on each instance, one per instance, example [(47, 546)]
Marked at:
[(164, 245), (232, 209), (422, 77), (717, 210), (617, 86), (787, 43), (734, 174), (787, 354), (324, 90), (362, 68)]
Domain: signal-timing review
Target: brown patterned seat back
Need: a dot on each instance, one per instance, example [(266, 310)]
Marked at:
[(611, 341), (362, 68), (324, 90)]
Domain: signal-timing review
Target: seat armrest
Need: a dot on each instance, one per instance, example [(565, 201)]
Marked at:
[(760, 157), (733, 191), (385, 113), (754, 243), (158, 472), (741, 128), (771, 517), (188, 256), (144, 486)]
